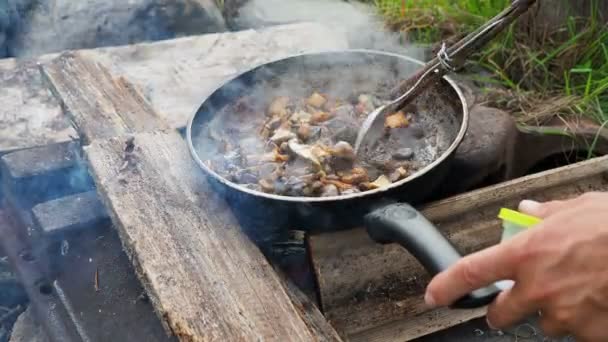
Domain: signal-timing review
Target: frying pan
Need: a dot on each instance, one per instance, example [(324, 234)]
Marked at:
[(387, 212)]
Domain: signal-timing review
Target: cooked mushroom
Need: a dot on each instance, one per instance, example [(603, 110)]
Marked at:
[(278, 107), (339, 184), (356, 176), (397, 120), (331, 104), (304, 152), (266, 185), (398, 174), (330, 190), (319, 117), (404, 154), (304, 146), (382, 181), (316, 100), (282, 135), (350, 191), (343, 150), (305, 131), (300, 116), (365, 104)]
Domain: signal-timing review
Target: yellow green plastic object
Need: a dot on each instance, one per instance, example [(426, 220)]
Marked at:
[(514, 222), (515, 217)]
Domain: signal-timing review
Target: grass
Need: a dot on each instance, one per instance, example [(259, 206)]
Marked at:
[(537, 77)]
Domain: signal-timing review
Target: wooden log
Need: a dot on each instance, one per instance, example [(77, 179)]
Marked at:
[(371, 292), (207, 281)]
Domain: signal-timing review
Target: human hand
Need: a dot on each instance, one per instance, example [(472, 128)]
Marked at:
[(560, 268)]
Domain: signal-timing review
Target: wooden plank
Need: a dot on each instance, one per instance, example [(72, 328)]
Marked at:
[(375, 293), (311, 315), (99, 105), (204, 277), (177, 75), (207, 281), (29, 114)]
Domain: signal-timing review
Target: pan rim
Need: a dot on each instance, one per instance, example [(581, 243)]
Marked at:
[(311, 200)]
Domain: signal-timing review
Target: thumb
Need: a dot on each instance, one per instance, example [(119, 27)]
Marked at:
[(542, 210)]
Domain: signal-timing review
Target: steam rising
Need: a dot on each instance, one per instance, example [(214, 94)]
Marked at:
[(360, 23)]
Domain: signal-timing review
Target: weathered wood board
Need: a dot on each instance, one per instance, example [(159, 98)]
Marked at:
[(29, 114), (207, 281), (371, 292), (175, 76)]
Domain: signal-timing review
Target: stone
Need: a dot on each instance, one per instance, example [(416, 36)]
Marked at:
[(47, 26), (484, 151), (26, 329), (12, 293), (5, 23), (61, 216), (44, 173), (40, 160), (404, 154)]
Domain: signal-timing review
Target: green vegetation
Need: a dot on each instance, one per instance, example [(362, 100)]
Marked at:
[(535, 76)]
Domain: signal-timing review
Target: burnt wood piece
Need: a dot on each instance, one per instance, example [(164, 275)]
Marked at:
[(207, 281), (372, 292)]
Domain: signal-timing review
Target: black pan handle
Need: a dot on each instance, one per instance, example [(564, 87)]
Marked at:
[(401, 223)]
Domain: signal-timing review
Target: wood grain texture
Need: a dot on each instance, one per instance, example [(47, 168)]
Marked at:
[(29, 113), (207, 281), (310, 313), (372, 292), (99, 105), (177, 75)]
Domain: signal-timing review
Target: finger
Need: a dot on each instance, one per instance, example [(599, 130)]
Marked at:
[(473, 272), (543, 210), (552, 328), (510, 307)]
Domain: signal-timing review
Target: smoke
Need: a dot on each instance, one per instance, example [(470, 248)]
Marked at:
[(359, 22), (34, 27)]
